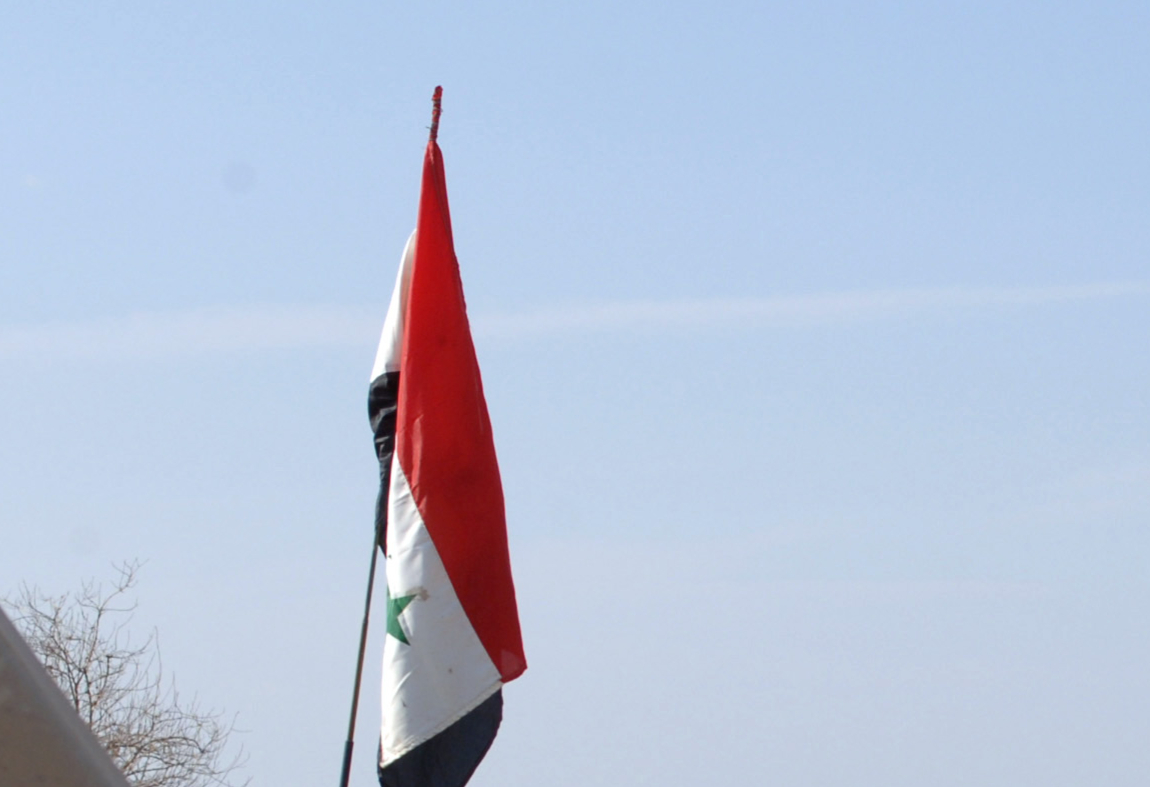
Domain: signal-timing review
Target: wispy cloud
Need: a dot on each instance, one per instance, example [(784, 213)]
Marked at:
[(793, 311), (179, 333), (259, 328)]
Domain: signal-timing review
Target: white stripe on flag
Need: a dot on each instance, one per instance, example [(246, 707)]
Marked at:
[(444, 672), (391, 340)]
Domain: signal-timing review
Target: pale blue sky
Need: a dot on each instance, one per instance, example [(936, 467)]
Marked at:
[(813, 338)]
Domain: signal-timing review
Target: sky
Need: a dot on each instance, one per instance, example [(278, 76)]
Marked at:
[(813, 337)]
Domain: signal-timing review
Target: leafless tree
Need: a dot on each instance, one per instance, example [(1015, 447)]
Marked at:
[(158, 738)]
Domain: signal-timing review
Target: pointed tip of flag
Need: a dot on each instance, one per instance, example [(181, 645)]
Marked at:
[(436, 110)]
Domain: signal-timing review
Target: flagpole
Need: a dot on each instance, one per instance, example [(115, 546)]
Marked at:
[(436, 111), (350, 743)]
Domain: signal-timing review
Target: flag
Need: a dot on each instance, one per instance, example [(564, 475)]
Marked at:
[(453, 635)]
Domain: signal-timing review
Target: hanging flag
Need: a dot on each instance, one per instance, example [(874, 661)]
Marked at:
[(453, 635)]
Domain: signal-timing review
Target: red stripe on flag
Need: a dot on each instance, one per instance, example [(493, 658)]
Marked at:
[(443, 434)]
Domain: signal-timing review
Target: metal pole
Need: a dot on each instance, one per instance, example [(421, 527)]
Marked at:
[(436, 109), (343, 779)]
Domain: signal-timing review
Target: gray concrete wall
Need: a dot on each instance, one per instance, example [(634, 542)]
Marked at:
[(42, 740)]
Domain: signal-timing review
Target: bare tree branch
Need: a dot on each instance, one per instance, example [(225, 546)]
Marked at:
[(155, 736)]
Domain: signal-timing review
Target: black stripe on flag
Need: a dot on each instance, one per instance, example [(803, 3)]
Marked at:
[(382, 403), (449, 758)]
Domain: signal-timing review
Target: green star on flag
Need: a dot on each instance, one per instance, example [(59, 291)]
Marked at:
[(395, 607)]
